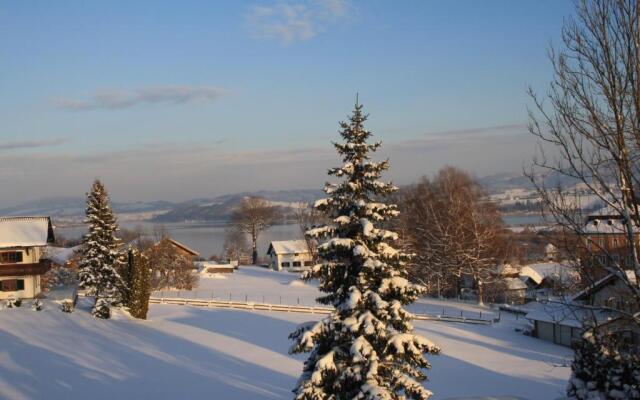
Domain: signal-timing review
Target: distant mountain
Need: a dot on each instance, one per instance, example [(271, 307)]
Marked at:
[(505, 181), (221, 207), (71, 209)]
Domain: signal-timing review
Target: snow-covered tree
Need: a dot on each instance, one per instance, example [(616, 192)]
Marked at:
[(102, 258), (600, 370), (365, 348)]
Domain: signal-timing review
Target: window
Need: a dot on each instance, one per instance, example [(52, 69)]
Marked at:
[(285, 264), (297, 264), (629, 261), (616, 259), (20, 284), (308, 263), (10, 285), (10, 257), (601, 243), (602, 260)]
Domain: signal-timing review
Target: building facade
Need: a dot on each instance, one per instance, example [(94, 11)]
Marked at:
[(289, 255), (22, 255)]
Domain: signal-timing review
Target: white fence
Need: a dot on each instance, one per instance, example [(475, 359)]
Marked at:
[(249, 305)]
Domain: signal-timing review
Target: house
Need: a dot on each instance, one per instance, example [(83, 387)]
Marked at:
[(180, 248), (291, 255), (610, 291), (22, 262), (549, 278), (605, 243)]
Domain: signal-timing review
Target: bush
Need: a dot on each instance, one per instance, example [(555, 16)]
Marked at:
[(37, 305), (67, 307), (101, 309), (11, 303)]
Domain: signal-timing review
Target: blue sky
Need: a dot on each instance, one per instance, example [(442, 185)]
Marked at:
[(174, 100)]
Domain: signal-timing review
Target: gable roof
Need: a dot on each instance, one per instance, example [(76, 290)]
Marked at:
[(288, 247), (183, 247), (538, 272), (596, 286), (25, 231)]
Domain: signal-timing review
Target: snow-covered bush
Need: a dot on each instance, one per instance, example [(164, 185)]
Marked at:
[(101, 309), (11, 303), (365, 349), (37, 305), (66, 306)]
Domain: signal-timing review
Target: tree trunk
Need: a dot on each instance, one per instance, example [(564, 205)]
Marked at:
[(480, 293)]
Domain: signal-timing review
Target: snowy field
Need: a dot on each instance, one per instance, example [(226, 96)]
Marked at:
[(184, 352)]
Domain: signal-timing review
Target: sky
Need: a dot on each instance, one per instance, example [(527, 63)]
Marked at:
[(174, 100)]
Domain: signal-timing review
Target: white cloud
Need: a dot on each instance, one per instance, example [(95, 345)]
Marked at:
[(120, 99), (31, 144), (289, 22)]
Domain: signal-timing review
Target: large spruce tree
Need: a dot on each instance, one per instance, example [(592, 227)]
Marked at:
[(365, 349), (102, 258)]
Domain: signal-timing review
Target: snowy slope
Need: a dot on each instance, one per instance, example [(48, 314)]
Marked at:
[(193, 353)]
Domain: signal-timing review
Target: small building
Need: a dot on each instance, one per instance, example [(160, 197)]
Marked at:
[(212, 267), (22, 261), (292, 255), (515, 291)]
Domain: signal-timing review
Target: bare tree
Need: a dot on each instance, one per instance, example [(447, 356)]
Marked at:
[(170, 268), (235, 244), (252, 217), (307, 218), (588, 125), (454, 231), (592, 122)]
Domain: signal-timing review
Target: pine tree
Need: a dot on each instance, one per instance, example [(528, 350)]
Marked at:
[(138, 283), (101, 262), (365, 349)]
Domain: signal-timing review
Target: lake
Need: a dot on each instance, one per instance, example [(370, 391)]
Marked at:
[(208, 238), (205, 238)]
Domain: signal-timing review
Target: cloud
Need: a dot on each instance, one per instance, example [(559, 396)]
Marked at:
[(289, 22), (31, 144), (121, 99)]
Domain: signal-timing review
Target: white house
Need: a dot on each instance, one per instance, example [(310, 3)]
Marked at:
[(289, 255), (22, 245)]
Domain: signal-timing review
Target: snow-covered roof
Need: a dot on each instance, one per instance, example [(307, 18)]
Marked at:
[(581, 295), (606, 221), (506, 269), (288, 247), (60, 255), (515, 283), (568, 314), (555, 270), (25, 231)]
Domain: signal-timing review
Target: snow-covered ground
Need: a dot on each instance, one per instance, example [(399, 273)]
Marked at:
[(185, 352)]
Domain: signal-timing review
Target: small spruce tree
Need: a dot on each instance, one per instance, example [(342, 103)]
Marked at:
[(138, 283), (365, 349), (98, 270)]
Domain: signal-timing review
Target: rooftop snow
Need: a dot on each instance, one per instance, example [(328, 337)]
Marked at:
[(538, 272), (25, 231), (288, 247)]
